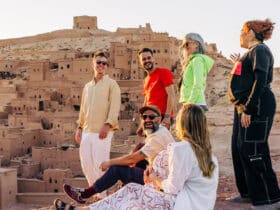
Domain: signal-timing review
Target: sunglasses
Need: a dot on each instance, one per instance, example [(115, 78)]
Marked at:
[(187, 44), (104, 63), (150, 116)]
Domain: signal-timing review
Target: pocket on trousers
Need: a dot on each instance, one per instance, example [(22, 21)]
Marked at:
[(256, 132), (257, 163)]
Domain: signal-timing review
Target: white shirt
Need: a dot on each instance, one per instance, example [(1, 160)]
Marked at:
[(185, 178), (156, 142)]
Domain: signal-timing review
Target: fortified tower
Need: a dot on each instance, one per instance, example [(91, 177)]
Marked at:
[(85, 22)]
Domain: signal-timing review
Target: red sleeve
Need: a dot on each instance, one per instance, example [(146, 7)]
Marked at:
[(167, 77)]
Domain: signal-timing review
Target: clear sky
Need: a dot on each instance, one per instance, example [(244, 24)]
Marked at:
[(218, 21)]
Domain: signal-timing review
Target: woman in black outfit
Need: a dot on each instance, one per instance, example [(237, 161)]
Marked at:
[(255, 106)]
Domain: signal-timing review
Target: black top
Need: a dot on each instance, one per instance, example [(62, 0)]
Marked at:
[(250, 76)]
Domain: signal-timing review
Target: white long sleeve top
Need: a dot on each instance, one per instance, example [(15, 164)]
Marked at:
[(194, 191)]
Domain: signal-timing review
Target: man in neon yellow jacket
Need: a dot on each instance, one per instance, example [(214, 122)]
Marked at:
[(196, 66)]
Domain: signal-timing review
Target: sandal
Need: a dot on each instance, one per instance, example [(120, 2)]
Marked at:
[(60, 205)]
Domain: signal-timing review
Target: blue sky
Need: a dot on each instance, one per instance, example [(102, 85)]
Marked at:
[(218, 21)]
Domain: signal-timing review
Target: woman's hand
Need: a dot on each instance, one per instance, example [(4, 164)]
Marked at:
[(245, 120), (234, 57), (147, 174)]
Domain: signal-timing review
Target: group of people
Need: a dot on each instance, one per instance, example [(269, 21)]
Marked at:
[(179, 174)]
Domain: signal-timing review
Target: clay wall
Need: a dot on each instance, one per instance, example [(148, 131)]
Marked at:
[(57, 158), (24, 106), (76, 96), (8, 188), (54, 179), (35, 71), (29, 170), (17, 143), (49, 138), (17, 120), (8, 65), (136, 72), (82, 70), (85, 22), (9, 148), (126, 128), (31, 185)]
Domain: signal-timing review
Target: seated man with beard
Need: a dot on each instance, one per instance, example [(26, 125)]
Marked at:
[(157, 139)]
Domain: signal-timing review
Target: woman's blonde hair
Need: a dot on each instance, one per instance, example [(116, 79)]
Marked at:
[(191, 125)]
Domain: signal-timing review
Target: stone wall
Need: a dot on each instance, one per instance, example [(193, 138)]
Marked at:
[(51, 158), (85, 22), (8, 187)]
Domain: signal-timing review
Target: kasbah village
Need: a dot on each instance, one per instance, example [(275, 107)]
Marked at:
[(41, 81)]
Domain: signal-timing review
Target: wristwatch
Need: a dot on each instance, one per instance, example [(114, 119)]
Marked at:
[(166, 115)]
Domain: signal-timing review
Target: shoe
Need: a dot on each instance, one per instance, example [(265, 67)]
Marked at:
[(74, 193), (60, 205), (239, 199)]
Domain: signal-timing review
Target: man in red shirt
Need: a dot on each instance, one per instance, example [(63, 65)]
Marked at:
[(158, 86)]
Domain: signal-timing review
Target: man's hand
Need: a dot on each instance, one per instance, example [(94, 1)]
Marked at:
[(104, 131), (104, 165), (245, 120), (147, 173), (78, 135), (166, 122), (140, 132)]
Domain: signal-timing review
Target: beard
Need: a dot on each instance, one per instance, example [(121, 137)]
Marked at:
[(149, 66), (150, 127)]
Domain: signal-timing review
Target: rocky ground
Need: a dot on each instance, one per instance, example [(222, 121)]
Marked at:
[(226, 188), (220, 125)]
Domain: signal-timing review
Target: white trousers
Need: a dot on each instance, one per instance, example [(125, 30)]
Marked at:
[(93, 151)]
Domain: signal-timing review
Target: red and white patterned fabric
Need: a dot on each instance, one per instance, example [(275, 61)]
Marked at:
[(160, 167), (135, 196)]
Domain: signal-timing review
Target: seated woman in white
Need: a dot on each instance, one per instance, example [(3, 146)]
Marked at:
[(185, 176)]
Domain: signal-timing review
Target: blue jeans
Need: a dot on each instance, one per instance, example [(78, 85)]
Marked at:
[(124, 173)]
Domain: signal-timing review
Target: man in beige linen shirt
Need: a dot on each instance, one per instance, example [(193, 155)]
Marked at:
[(98, 118)]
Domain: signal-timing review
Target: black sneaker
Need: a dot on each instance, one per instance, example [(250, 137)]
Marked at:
[(74, 193)]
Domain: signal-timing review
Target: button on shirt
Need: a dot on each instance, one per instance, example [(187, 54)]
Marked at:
[(100, 104)]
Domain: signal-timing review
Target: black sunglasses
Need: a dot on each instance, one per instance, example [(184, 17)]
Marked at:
[(150, 116), (187, 44), (104, 63)]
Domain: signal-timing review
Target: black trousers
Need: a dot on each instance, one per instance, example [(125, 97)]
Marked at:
[(255, 178), (124, 173)]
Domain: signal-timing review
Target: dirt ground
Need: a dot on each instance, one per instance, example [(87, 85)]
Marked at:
[(221, 147), (226, 189)]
